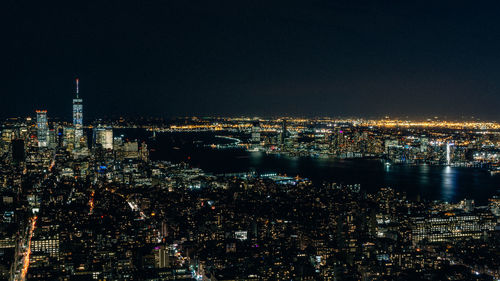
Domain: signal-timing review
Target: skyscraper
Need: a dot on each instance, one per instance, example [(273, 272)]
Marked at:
[(69, 137), (42, 127), (103, 136), (78, 116), (255, 132)]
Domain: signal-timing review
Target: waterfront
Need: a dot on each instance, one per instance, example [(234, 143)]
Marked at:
[(449, 184)]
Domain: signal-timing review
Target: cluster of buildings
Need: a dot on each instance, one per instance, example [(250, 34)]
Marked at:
[(83, 203), (434, 142), (396, 145)]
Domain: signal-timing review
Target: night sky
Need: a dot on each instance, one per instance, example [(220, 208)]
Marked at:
[(257, 58)]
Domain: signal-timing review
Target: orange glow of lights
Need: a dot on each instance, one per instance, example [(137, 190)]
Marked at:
[(91, 202), (26, 260)]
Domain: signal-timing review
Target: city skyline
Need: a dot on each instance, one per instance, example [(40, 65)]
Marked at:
[(321, 140), (241, 198), (77, 116)]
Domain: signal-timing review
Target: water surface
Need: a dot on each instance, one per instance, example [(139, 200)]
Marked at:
[(449, 184)]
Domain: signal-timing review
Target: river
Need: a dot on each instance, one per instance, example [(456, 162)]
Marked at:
[(450, 184)]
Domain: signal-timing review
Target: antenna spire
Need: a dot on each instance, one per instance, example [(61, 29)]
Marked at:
[(77, 92)]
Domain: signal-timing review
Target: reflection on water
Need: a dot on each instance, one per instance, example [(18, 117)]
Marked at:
[(430, 182), (424, 171), (448, 185)]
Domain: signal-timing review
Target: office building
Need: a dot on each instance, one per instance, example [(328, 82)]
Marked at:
[(42, 126), (78, 116), (103, 136)]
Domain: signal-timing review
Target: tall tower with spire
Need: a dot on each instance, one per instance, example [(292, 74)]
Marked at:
[(78, 116)]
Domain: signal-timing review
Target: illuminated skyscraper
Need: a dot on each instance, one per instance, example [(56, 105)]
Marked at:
[(42, 127), (103, 136), (78, 116), (69, 136)]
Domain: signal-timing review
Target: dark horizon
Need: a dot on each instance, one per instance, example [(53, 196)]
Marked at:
[(319, 58)]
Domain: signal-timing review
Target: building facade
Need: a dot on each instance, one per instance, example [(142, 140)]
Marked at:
[(42, 127)]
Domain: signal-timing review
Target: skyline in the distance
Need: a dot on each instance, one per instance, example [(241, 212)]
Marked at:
[(231, 59)]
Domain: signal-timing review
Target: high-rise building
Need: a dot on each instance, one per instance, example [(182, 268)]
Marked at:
[(103, 136), (255, 132), (162, 257), (68, 136), (78, 116), (42, 126), (52, 139), (130, 149)]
